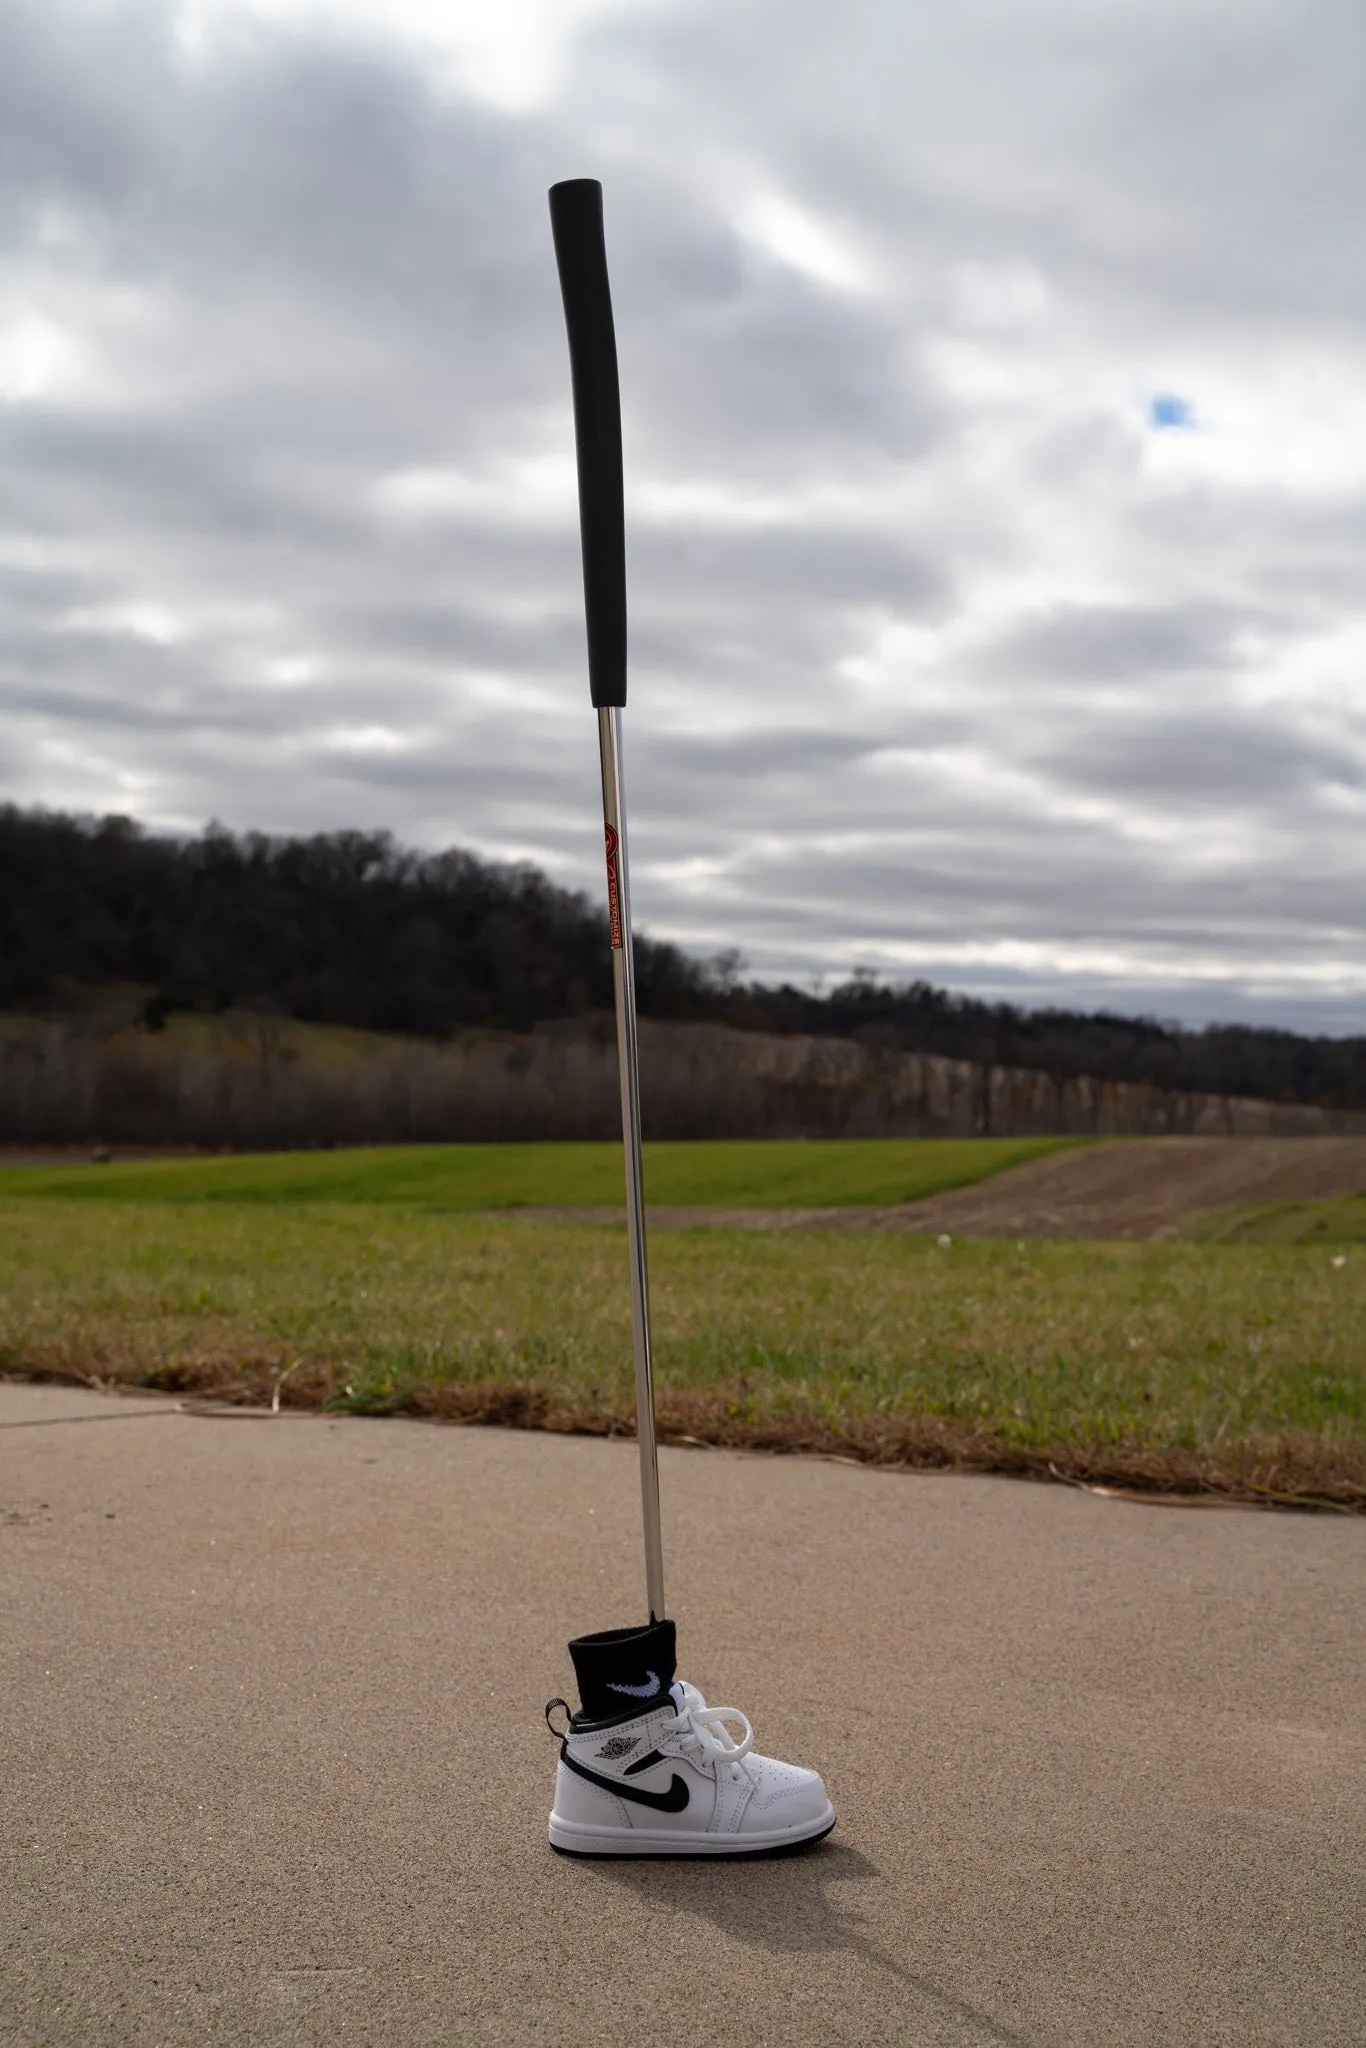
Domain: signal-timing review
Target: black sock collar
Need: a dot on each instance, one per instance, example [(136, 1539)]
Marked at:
[(624, 1671)]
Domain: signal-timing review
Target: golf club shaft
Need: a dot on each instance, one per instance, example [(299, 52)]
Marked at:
[(581, 256), (628, 1061)]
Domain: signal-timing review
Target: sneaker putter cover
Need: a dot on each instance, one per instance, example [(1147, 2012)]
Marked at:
[(647, 1768)]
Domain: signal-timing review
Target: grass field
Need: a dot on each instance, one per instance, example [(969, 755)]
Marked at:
[(1309, 1223), (771, 1174), (1230, 1366)]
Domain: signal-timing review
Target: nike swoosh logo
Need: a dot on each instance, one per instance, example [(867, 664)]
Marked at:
[(672, 1801), (638, 1692)]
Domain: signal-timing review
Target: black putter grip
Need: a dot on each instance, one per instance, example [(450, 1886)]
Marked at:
[(581, 253)]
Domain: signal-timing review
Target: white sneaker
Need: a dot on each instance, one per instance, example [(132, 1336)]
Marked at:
[(673, 1782)]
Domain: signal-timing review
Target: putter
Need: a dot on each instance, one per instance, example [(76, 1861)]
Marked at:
[(646, 1767), (581, 254)]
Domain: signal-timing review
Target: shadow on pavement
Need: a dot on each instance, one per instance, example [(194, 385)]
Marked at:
[(783, 1905)]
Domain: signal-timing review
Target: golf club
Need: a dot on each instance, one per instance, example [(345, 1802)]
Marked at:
[(646, 1767), (581, 254)]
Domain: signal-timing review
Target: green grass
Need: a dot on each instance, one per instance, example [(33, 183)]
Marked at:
[(1340, 1222), (1176, 1365), (437, 1178)]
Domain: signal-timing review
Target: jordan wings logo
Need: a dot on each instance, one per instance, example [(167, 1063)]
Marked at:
[(618, 1746), (638, 1692), (672, 1801)]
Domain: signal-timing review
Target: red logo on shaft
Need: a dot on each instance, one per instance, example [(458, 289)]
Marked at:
[(613, 893)]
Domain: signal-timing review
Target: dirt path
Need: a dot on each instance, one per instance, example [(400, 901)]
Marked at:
[(1139, 1187)]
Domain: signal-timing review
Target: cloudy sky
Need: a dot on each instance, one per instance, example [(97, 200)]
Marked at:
[(995, 421)]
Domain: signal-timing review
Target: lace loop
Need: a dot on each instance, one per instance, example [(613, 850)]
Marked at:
[(703, 1728)]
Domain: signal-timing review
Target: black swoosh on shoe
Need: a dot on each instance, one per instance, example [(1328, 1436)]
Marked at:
[(672, 1801)]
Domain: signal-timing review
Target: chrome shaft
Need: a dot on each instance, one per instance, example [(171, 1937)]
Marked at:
[(628, 1059)]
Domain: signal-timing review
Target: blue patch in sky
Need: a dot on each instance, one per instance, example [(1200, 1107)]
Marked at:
[(1167, 410)]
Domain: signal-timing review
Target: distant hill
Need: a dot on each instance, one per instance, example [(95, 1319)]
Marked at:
[(340, 928), (350, 928), (1222, 1059), (244, 1080)]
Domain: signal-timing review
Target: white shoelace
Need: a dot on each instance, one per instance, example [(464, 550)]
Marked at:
[(703, 1728)]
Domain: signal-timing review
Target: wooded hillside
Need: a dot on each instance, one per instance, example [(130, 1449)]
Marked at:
[(351, 928)]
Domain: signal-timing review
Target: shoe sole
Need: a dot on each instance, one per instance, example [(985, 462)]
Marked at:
[(573, 1838)]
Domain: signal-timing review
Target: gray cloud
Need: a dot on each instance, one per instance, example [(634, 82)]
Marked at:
[(943, 658), (1109, 644)]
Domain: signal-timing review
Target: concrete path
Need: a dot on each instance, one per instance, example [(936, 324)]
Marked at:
[(274, 1771)]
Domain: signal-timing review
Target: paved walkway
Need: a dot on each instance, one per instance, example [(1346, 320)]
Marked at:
[(273, 1768)]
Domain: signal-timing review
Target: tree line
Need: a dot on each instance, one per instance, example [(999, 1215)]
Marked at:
[(352, 928)]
